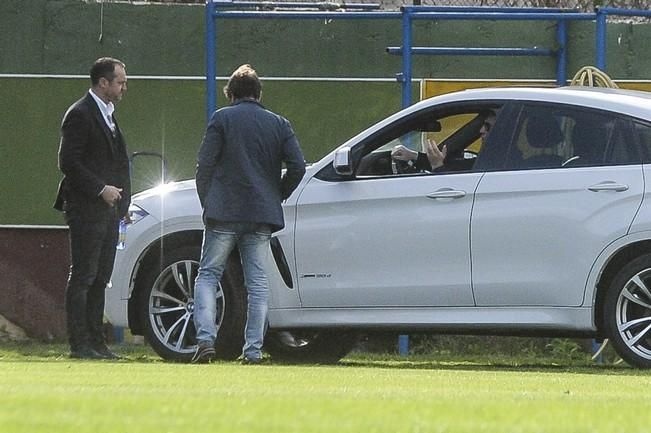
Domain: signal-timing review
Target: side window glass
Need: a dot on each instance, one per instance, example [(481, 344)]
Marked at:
[(587, 140), (598, 139), (564, 137), (440, 142), (411, 138), (539, 140), (643, 133), (621, 149)]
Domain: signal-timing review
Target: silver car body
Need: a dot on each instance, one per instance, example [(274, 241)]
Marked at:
[(517, 250)]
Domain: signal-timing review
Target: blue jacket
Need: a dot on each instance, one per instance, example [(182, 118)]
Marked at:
[(240, 161)]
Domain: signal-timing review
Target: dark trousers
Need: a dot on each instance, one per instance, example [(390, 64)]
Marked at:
[(92, 253)]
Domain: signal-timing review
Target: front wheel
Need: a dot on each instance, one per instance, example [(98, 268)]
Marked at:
[(627, 312), (167, 306), (310, 346)]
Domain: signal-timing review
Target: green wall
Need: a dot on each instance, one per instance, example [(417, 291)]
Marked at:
[(166, 116), (63, 36), (57, 37)]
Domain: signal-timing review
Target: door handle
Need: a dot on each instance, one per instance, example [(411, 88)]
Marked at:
[(446, 193), (608, 186)]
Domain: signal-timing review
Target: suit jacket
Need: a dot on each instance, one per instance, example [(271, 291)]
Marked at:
[(240, 162), (90, 157)]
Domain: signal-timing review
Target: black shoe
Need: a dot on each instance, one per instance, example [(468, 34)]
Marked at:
[(252, 361), (103, 350), (85, 353), (204, 354)]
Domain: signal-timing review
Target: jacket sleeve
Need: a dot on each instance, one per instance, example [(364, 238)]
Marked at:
[(73, 146), (422, 162), (294, 162), (209, 153)]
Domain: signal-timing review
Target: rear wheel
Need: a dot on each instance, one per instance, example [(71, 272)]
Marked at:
[(627, 312), (167, 306), (310, 346)]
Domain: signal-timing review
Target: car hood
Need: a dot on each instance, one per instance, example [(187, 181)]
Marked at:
[(176, 199)]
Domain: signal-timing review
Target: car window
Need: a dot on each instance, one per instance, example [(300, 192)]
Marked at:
[(643, 133), (456, 128), (549, 136), (621, 148)]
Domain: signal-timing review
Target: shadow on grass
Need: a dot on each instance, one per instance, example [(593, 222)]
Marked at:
[(496, 364), (43, 352), (31, 351)]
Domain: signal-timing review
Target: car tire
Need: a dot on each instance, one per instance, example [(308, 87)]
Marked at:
[(167, 311), (627, 312), (313, 347)]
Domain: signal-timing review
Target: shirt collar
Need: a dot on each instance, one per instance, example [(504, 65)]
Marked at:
[(106, 109), (241, 100)]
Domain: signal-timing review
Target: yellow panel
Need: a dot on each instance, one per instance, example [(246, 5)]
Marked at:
[(431, 88), (635, 85)]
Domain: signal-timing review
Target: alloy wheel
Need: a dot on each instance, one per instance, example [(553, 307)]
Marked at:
[(171, 306), (633, 314)]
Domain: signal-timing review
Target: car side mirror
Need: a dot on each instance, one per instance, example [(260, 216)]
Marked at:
[(343, 163)]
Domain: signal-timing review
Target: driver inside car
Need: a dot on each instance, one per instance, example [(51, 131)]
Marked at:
[(433, 159)]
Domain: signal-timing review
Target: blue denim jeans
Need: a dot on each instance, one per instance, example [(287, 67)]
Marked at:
[(219, 239)]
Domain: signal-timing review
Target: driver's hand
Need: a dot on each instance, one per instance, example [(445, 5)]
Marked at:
[(402, 153), (435, 155)]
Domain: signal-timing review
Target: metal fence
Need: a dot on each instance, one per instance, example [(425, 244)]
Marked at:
[(582, 5)]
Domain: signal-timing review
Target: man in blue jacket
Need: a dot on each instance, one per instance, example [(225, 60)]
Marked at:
[(240, 187)]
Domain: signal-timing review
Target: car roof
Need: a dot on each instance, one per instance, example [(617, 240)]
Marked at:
[(631, 102)]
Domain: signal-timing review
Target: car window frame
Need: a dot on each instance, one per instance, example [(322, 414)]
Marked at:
[(380, 138), (644, 151), (623, 124)]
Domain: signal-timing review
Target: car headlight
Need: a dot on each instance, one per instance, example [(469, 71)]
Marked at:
[(136, 213)]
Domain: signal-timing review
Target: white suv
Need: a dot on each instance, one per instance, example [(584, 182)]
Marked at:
[(543, 228)]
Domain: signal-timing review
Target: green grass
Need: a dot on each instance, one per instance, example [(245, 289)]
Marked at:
[(41, 390)]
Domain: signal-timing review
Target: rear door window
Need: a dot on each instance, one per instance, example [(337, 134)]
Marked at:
[(551, 136)]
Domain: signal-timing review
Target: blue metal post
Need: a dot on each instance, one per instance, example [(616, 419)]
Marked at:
[(211, 60), (406, 57), (403, 345), (595, 348), (118, 334), (403, 340), (601, 39), (561, 55)]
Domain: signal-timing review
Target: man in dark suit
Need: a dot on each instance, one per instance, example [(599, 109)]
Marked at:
[(240, 187), (94, 194)]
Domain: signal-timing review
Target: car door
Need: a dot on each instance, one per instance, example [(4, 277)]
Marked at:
[(400, 241), (571, 184), (385, 240)]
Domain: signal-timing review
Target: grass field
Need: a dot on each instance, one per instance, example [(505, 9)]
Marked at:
[(41, 390)]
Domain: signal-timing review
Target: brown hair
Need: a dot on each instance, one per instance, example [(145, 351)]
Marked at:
[(104, 67), (243, 83)]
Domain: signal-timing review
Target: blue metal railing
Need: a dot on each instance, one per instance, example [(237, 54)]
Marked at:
[(407, 14), (410, 13), (213, 12), (273, 5)]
